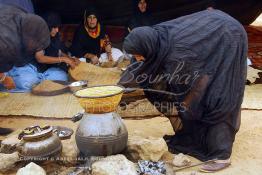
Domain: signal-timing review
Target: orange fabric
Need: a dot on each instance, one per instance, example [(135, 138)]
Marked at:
[(9, 83), (94, 34)]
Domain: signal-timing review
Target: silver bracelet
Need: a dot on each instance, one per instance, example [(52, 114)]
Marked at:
[(3, 78)]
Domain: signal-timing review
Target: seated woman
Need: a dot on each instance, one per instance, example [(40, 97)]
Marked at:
[(44, 63), (19, 40), (199, 74), (90, 40), (141, 16), (56, 49)]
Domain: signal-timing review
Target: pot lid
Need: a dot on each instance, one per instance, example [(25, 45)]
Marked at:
[(63, 132), (34, 132)]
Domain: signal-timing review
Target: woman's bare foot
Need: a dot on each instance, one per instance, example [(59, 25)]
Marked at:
[(215, 166)]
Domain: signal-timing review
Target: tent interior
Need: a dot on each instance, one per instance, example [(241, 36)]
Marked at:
[(117, 12)]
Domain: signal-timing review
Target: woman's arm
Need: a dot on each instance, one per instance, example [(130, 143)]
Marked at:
[(77, 61), (62, 54), (107, 46), (41, 58), (108, 49)]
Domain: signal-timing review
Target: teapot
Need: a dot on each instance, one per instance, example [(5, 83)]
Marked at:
[(38, 143)]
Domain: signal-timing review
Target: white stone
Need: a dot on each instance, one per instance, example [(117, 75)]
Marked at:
[(9, 145), (252, 74), (70, 151), (31, 169), (181, 160), (7, 161), (151, 148), (187, 173), (114, 165)]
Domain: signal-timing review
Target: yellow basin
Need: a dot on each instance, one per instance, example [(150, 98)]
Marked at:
[(100, 99)]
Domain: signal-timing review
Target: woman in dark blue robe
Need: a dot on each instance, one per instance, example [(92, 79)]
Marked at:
[(196, 65)]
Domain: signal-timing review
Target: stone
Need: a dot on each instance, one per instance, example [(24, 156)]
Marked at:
[(181, 160), (9, 145), (252, 74), (31, 169), (70, 171), (152, 168), (114, 165), (167, 156), (70, 151), (188, 173), (151, 148), (8, 161)]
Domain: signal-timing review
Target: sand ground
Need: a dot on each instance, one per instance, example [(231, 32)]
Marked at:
[(247, 152)]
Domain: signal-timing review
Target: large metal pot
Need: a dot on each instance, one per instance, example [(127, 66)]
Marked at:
[(101, 134), (39, 143)]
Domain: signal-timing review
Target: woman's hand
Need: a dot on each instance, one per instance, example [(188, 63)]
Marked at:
[(72, 62), (139, 57), (77, 61), (108, 50), (94, 60)]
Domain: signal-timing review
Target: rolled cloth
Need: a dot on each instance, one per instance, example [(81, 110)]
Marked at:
[(197, 63)]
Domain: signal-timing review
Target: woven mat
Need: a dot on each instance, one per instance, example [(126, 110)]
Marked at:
[(95, 75), (138, 109), (253, 97), (18, 104), (62, 106), (66, 105)]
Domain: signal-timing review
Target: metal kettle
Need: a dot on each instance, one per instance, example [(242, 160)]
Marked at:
[(101, 134), (38, 143)]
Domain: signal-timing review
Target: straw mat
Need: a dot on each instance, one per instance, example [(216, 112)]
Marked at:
[(18, 104), (66, 105), (95, 75)]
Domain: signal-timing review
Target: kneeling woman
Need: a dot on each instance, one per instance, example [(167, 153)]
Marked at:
[(31, 58), (196, 65)]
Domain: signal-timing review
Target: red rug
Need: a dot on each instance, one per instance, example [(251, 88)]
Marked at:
[(255, 45)]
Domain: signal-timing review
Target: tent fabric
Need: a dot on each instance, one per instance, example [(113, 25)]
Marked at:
[(119, 12)]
